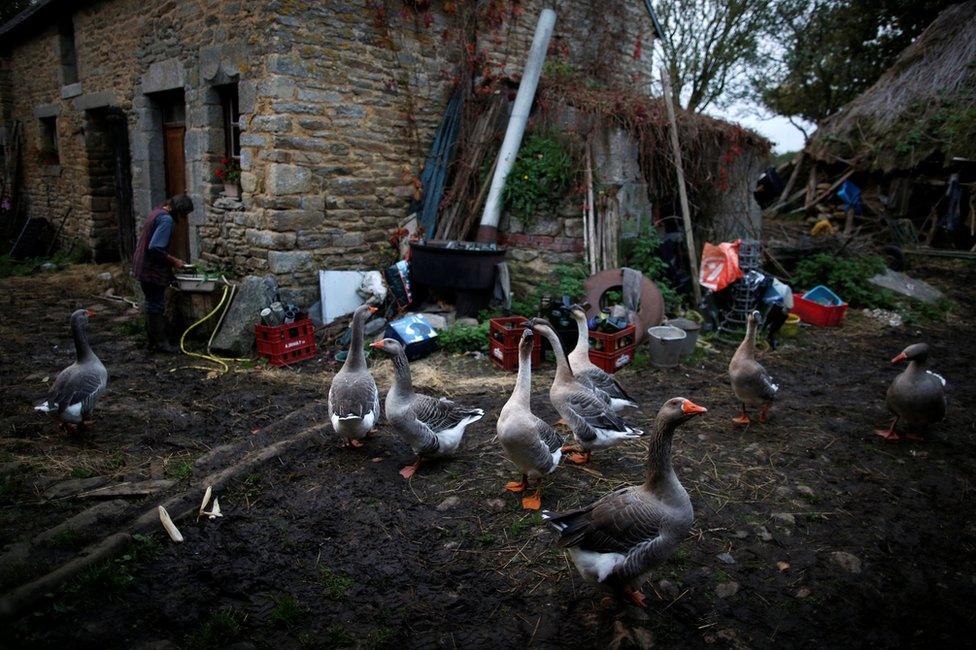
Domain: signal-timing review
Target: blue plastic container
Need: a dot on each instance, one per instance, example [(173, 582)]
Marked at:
[(823, 296)]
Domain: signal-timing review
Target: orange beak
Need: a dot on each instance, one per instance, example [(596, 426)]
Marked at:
[(901, 357), (373, 310), (89, 313), (691, 407), (377, 344)]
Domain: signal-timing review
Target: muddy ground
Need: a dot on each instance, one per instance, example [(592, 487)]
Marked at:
[(810, 531)]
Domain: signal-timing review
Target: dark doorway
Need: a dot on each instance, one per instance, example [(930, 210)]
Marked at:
[(173, 108), (118, 131)]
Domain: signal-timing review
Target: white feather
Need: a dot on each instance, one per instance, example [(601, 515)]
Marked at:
[(618, 404), (72, 413), (45, 407), (449, 439), (937, 375), (593, 566)]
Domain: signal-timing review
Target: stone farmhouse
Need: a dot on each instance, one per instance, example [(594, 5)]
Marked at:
[(329, 106)]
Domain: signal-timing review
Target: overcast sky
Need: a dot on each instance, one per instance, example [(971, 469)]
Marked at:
[(785, 136)]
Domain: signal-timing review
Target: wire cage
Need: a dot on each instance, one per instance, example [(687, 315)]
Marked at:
[(745, 294)]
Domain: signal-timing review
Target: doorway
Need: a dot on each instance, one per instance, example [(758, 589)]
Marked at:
[(173, 107)]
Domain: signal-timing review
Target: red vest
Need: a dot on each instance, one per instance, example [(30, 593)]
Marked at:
[(145, 266)]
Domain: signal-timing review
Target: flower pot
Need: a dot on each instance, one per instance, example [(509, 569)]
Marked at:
[(232, 190)]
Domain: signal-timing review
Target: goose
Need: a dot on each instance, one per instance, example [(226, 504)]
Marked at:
[(587, 373), (917, 395), (432, 427), (618, 539), (354, 402), (77, 388), (530, 443), (751, 383), (588, 413)]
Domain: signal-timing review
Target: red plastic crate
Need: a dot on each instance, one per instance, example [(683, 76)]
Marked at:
[(817, 314), (609, 343), (615, 360), (507, 330), (285, 344), (508, 358), (504, 334)]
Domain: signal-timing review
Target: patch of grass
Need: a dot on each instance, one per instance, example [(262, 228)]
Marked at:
[(336, 636), (287, 610), (179, 470), (81, 472), (336, 584), (518, 526), (923, 313), (220, 628), (66, 539), (115, 575), (485, 538), (464, 338)]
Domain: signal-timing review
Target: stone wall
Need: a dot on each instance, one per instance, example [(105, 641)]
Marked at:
[(339, 101), (120, 45)]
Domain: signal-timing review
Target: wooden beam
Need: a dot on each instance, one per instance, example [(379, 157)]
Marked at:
[(797, 163), (682, 192), (830, 190)]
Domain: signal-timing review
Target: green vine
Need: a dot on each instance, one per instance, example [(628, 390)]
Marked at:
[(644, 254), (540, 177)]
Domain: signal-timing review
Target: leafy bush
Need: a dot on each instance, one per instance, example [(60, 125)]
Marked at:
[(845, 276), (464, 338), (643, 254), (543, 170)]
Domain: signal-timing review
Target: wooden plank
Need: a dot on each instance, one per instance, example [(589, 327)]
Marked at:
[(682, 192), (797, 163), (830, 190)]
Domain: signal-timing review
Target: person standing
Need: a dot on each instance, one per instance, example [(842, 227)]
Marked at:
[(152, 265)]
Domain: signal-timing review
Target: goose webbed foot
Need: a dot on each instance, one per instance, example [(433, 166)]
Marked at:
[(743, 419), (518, 486), (408, 471), (532, 501), (579, 458), (354, 443), (764, 413), (636, 597), (890, 433)]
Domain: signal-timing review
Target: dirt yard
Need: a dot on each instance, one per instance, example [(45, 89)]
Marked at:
[(810, 531)]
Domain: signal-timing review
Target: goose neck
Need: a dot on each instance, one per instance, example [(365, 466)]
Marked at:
[(80, 334), (355, 358), (659, 468)]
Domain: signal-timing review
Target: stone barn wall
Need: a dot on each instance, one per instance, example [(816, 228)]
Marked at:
[(339, 101)]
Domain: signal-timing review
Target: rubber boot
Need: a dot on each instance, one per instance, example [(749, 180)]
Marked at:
[(158, 340)]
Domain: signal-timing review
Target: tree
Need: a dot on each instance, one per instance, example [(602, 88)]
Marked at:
[(10, 8), (711, 46), (833, 50)]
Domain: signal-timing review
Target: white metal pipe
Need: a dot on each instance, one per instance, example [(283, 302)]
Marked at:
[(520, 115)]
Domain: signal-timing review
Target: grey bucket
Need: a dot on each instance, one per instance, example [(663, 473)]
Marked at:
[(665, 344), (691, 329)]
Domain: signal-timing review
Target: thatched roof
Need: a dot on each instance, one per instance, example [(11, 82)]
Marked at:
[(922, 108)]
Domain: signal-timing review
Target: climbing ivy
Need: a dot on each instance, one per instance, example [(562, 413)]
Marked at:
[(540, 177)]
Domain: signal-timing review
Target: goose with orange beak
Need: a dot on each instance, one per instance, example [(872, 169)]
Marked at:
[(354, 402), (621, 538), (917, 395), (432, 427), (77, 388)]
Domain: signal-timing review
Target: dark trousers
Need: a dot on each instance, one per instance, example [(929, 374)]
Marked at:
[(155, 297)]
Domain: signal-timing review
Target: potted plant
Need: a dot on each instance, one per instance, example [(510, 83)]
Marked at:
[(228, 172)]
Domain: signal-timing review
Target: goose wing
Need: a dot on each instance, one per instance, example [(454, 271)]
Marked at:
[(597, 379), (615, 524), (587, 414), (441, 414), (78, 384)]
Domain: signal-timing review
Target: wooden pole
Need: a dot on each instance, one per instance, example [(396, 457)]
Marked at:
[(682, 193), (797, 163)]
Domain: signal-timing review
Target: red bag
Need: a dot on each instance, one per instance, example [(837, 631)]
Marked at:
[(719, 265)]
